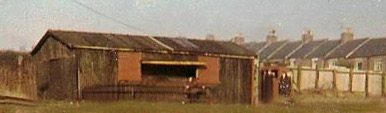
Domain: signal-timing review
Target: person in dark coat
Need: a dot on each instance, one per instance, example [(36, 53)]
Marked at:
[(193, 90)]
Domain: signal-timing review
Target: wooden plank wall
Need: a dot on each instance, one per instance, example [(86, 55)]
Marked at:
[(54, 62), (62, 79), (235, 81), (18, 78), (97, 67)]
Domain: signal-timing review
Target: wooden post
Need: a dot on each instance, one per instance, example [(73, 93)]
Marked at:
[(78, 75), (367, 84), (334, 80), (255, 82), (317, 77), (383, 83), (351, 74), (299, 78)]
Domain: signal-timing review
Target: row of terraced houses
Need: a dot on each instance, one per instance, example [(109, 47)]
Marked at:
[(347, 52)]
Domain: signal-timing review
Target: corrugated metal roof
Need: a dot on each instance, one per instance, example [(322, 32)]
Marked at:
[(143, 43), (323, 49), (179, 44), (374, 47), (286, 50), (307, 48), (271, 48), (221, 47), (106, 40), (346, 48)]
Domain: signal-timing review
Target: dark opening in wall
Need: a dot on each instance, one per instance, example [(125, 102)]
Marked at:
[(167, 71)]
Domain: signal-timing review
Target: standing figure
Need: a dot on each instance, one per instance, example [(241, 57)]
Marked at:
[(193, 90)]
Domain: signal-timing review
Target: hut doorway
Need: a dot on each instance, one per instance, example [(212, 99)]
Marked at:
[(274, 82)]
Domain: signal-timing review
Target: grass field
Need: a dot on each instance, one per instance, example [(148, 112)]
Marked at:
[(305, 103)]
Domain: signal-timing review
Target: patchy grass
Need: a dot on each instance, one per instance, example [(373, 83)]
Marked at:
[(302, 103)]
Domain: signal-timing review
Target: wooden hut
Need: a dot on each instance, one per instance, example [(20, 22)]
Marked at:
[(85, 65)]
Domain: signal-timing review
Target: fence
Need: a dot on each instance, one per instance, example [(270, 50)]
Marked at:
[(17, 78), (368, 82)]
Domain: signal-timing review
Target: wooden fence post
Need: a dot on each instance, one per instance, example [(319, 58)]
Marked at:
[(299, 77), (383, 83), (350, 74), (334, 80), (317, 78), (367, 84)]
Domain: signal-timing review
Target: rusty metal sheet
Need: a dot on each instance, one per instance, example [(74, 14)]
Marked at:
[(209, 74), (129, 66)]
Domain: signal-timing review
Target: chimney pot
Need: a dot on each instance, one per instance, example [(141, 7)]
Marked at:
[(238, 39), (209, 37), (271, 37), (307, 36), (347, 35)]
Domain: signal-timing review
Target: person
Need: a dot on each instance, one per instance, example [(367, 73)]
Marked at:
[(285, 84), (193, 89)]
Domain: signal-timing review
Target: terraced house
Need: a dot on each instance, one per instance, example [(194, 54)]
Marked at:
[(346, 52)]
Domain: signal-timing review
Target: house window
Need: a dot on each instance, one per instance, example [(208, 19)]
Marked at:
[(314, 63), (377, 64), (292, 62), (359, 66), (333, 63)]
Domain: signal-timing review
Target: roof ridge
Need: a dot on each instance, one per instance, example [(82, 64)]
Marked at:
[(329, 53), (292, 52), (325, 41), (268, 44), (332, 50), (356, 48), (160, 43), (279, 48), (95, 32)]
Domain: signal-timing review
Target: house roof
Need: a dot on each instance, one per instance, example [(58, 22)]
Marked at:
[(272, 48), (345, 49), (286, 50), (255, 46), (79, 39), (307, 48), (323, 49), (374, 47)]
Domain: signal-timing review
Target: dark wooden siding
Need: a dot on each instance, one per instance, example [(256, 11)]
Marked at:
[(55, 70), (235, 78), (62, 79), (17, 76), (97, 67)]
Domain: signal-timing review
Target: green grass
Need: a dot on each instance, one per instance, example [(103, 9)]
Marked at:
[(305, 103)]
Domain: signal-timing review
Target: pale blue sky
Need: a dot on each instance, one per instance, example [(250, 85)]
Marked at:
[(24, 22)]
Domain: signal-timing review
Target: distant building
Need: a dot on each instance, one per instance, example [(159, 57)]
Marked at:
[(347, 52)]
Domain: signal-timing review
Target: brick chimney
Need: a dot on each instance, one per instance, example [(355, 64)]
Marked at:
[(238, 39), (271, 37), (346, 35), (209, 37), (307, 36)]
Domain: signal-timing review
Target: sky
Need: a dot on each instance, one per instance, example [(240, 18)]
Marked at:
[(24, 22)]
